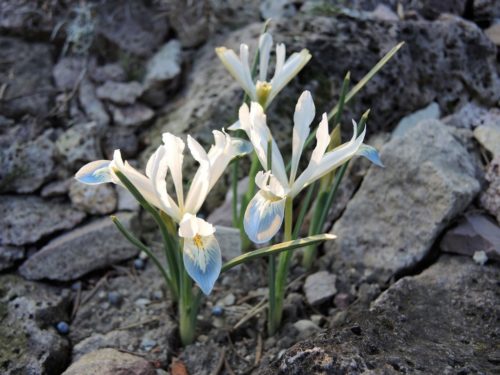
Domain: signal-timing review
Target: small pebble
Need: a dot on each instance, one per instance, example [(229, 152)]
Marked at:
[(102, 294), (76, 286), (139, 264), (114, 298), (158, 295), (142, 302), (147, 344), (63, 328), (217, 310), (480, 257), (143, 255), (229, 300)]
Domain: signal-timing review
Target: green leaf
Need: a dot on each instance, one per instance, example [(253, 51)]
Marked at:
[(276, 249)]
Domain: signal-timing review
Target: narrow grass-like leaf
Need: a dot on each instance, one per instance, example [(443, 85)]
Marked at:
[(276, 249), (141, 246), (170, 245)]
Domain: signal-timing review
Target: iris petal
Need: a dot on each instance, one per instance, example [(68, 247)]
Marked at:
[(263, 217), (203, 261), (94, 173), (370, 153)]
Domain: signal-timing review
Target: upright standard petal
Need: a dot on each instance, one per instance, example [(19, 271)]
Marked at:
[(302, 119), (254, 123), (201, 252), (265, 44), (237, 70), (290, 69), (322, 141), (140, 182), (337, 156), (174, 156), (95, 173), (157, 170), (200, 185)]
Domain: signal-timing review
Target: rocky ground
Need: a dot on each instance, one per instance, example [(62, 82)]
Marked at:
[(410, 286)]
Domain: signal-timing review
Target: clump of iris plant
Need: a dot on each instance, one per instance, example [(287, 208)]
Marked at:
[(193, 260)]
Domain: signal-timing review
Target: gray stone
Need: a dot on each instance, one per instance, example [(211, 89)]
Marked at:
[(489, 137), (131, 116), (29, 343), (475, 233), (223, 215), (108, 72), (190, 21), (10, 255), (126, 325), (490, 198), (165, 65), (28, 18), (68, 72), (431, 112), (93, 199), (91, 104), (111, 362), (469, 116), (398, 212), (443, 321), (91, 247), (135, 27), (306, 328), (26, 73), (493, 32), (229, 241), (55, 189), (27, 219), (320, 287), (126, 201), (384, 13), (118, 138), (25, 165), (120, 92), (277, 9), (80, 144)]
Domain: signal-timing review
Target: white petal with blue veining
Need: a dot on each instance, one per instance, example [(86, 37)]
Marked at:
[(94, 173), (201, 252), (370, 153), (263, 217)]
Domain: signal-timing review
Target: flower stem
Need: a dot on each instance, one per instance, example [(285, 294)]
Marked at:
[(282, 272), (187, 309)]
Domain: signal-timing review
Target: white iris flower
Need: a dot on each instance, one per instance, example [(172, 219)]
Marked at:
[(201, 252), (264, 214), (263, 91)]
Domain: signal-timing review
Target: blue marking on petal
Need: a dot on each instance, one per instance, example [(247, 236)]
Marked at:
[(263, 218), (203, 261), (94, 173), (371, 154), (242, 147)]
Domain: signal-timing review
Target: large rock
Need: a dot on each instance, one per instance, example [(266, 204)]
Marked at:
[(10, 255), (120, 92), (93, 199), (111, 362), (473, 234), (79, 144), (127, 313), (393, 220), (26, 73), (68, 72), (25, 163), (85, 249), (27, 219), (134, 27), (443, 321), (490, 198), (91, 104), (29, 343), (163, 73)]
